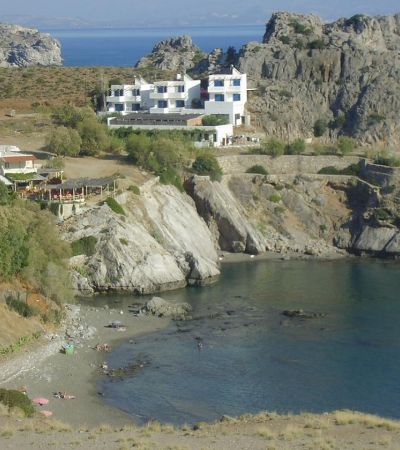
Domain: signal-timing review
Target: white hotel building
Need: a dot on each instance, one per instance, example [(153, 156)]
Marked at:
[(227, 95)]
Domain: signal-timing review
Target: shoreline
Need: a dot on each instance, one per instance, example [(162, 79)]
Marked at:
[(77, 374)]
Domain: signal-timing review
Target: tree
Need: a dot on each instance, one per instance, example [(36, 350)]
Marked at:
[(64, 141), (138, 147), (4, 195), (213, 120), (207, 164), (94, 136), (70, 116), (320, 127)]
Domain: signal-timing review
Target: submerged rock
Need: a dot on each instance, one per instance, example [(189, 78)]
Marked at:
[(157, 306), (300, 314)]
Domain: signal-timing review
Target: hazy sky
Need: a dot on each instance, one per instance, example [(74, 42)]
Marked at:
[(181, 12)]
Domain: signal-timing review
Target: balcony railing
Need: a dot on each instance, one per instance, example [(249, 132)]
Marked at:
[(124, 98)]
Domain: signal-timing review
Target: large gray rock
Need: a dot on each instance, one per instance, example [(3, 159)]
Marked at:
[(375, 240), (175, 54), (306, 70), (159, 307), (24, 47), (160, 244)]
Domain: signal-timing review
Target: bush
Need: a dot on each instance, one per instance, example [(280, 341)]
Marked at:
[(16, 399), (64, 141), (346, 145), (384, 159), (134, 189), (207, 164), (320, 127), (20, 307), (318, 44), (375, 118), (299, 28), (94, 136), (171, 176), (296, 147), (115, 206), (352, 170), (257, 169), (213, 120), (5, 196), (382, 214), (70, 116), (273, 147), (285, 40), (275, 198), (84, 246)]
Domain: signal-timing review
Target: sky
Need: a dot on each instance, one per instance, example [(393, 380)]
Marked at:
[(178, 12)]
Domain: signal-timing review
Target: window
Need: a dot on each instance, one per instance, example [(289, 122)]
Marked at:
[(135, 92), (219, 97), (162, 104), (119, 107), (135, 106), (161, 89), (236, 97), (181, 88), (218, 83), (180, 103), (236, 82)]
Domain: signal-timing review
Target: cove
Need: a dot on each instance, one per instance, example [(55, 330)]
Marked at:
[(253, 358)]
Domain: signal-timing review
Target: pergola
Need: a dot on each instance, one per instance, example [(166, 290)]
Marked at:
[(76, 189)]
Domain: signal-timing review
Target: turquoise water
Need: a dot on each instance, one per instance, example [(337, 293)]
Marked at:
[(253, 358), (125, 46)]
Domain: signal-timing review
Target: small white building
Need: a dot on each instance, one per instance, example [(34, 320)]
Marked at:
[(175, 96), (13, 161), (127, 98), (227, 93)]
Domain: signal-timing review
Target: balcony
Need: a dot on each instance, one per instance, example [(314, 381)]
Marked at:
[(168, 96), (123, 99)]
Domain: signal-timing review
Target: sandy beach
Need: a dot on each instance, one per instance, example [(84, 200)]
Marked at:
[(76, 374)]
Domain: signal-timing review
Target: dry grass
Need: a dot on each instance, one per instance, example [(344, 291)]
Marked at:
[(266, 433), (346, 417)]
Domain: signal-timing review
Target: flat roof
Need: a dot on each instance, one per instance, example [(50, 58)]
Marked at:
[(154, 119), (18, 157), (77, 183)]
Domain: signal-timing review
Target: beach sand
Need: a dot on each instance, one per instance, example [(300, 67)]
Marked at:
[(76, 374)]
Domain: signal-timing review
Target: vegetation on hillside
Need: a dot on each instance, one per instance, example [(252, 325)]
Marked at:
[(31, 249)]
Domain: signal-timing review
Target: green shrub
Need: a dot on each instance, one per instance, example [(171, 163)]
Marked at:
[(16, 399), (207, 164), (285, 40), (84, 246), (273, 147), (64, 141), (351, 170), (284, 93), (20, 307), (257, 169), (346, 145), (375, 118), (382, 214), (320, 127), (171, 176), (115, 206), (300, 28), (338, 122), (213, 120), (123, 241), (317, 44), (134, 189), (275, 198), (386, 160), (296, 147)]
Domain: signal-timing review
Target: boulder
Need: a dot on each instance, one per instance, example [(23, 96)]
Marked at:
[(159, 307)]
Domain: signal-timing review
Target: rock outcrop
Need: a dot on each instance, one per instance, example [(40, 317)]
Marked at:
[(346, 72), (177, 54), (161, 243), (24, 47)]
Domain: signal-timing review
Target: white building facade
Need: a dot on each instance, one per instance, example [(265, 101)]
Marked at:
[(227, 95), (176, 96), (127, 98)]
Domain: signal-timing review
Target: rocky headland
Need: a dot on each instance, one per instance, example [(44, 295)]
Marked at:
[(25, 47)]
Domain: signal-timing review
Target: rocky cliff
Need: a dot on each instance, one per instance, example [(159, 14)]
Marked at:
[(177, 54), (24, 47), (346, 72), (161, 243)]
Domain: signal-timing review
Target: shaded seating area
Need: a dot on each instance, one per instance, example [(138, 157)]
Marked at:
[(76, 190)]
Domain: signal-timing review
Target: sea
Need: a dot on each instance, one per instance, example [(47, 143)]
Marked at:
[(125, 46), (240, 354)]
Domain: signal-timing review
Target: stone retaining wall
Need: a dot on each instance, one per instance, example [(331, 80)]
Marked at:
[(381, 175), (287, 164)]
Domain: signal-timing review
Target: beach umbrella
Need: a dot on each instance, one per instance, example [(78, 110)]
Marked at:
[(46, 413), (40, 401)]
